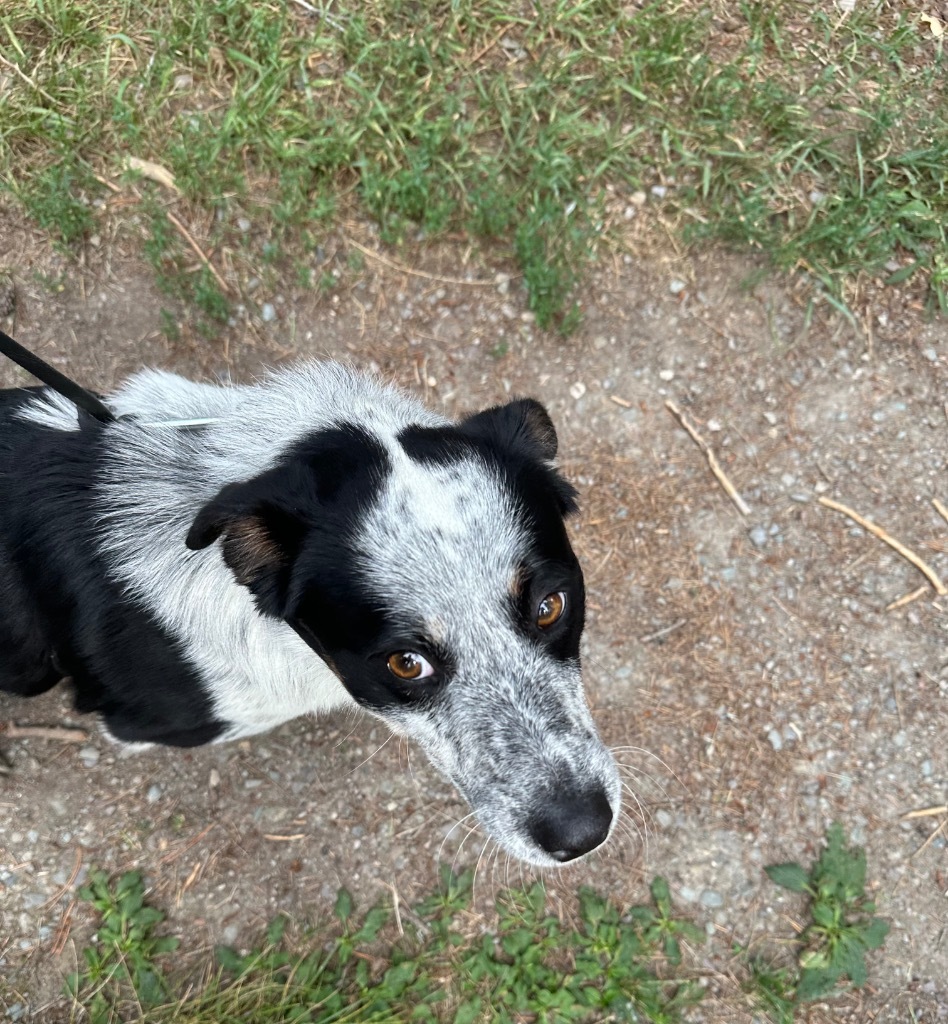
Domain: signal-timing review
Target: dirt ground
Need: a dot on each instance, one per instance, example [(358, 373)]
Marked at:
[(746, 668)]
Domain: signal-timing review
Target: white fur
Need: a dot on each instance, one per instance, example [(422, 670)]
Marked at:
[(441, 544)]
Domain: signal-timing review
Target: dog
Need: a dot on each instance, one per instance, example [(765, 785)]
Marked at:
[(224, 558)]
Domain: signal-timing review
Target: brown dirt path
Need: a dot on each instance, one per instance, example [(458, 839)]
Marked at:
[(746, 666)]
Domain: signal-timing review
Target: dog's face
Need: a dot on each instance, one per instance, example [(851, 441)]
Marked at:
[(432, 571)]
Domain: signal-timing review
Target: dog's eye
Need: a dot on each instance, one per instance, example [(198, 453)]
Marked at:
[(551, 609), (408, 665)]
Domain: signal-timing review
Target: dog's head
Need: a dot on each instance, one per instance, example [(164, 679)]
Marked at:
[(431, 569)]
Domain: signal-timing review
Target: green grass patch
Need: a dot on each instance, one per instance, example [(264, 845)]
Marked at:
[(531, 965), (442, 964), (818, 139)]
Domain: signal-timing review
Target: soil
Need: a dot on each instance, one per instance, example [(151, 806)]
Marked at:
[(748, 670)]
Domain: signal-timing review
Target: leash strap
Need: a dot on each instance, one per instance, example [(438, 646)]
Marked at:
[(50, 376)]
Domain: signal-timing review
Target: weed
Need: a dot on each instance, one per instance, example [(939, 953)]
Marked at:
[(533, 965), (170, 329), (125, 951), (843, 927), (58, 199)]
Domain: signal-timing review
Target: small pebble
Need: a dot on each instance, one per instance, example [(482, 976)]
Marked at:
[(710, 898), (243, 224), (666, 375), (776, 740), (153, 794), (267, 313), (758, 536), (577, 390), (677, 287), (89, 756)]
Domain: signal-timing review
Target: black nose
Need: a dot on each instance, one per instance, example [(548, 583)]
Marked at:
[(571, 823)]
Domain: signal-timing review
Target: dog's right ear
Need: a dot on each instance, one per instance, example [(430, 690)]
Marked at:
[(264, 522), (261, 537)]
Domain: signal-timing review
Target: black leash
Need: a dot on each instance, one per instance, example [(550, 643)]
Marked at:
[(49, 375)]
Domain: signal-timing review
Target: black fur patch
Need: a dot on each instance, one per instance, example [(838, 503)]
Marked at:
[(62, 614), (517, 440)]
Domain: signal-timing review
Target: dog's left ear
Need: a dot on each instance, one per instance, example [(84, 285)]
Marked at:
[(524, 428), (522, 425)]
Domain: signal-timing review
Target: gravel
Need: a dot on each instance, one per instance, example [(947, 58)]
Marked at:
[(787, 698)]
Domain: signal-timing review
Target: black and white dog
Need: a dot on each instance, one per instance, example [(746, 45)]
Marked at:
[(424, 562)]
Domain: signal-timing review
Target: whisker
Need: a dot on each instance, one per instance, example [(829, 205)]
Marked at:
[(448, 834), (352, 771), (643, 751), (477, 866)]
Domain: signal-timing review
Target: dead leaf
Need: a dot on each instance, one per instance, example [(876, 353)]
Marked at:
[(936, 27), (153, 171)]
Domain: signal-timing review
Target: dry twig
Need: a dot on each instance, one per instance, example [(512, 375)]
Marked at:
[(15, 68), (937, 832), (55, 898), (940, 509), (926, 812), (62, 932), (722, 479), (44, 732), (907, 598), (200, 252), (658, 634), (402, 269), (891, 541)]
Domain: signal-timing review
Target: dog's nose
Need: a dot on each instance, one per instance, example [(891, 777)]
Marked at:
[(572, 823)]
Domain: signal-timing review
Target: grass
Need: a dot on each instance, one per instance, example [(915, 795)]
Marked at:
[(529, 966), (816, 138), (443, 964)]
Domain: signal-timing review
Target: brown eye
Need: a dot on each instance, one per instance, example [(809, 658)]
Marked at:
[(551, 609), (408, 665)]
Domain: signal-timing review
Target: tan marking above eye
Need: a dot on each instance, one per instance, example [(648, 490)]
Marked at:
[(409, 666), (551, 609)]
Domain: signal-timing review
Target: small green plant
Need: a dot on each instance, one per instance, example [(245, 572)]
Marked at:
[(55, 200), (771, 988), (125, 949), (532, 965), (843, 924)]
